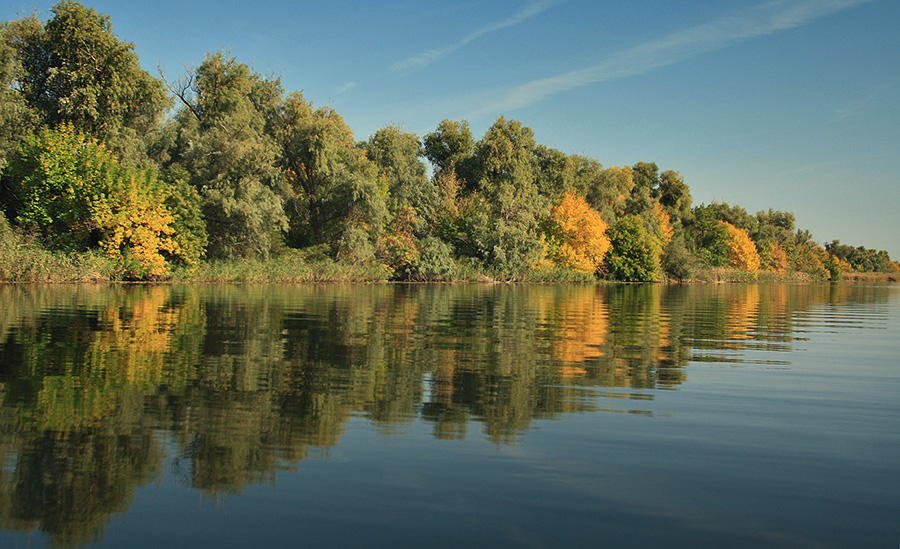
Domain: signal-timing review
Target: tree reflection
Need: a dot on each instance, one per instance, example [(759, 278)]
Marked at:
[(251, 380)]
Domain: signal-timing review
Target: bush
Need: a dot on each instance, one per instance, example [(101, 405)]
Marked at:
[(435, 261), (677, 261), (634, 256)]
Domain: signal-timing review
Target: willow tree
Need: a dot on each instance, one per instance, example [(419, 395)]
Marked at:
[(396, 154), (224, 150), (507, 227), (17, 118), (335, 196), (75, 70), (450, 148)]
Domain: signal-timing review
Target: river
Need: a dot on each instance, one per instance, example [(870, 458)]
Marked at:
[(450, 415)]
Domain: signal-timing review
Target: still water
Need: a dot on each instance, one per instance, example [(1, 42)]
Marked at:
[(458, 415)]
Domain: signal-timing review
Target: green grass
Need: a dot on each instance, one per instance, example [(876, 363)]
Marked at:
[(24, 260), (288, 268)]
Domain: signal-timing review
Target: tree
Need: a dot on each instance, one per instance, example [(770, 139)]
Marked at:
[(742, 252), (675, 195), (607, 190), (17, 119), (576, 235), (396, 154), (223, 146), (646, 187), (555, 172), (772, 256), (633, 256), (77, 196), (75, 70), (330, 184), (450, 146), (507, 231)]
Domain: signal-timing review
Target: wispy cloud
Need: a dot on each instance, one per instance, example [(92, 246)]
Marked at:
[(346, 87), (425, 58), (760, 20)]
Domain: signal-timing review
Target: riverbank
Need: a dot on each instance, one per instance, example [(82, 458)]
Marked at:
[(25, 261)]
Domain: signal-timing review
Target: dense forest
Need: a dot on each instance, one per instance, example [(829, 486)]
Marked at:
[(108, 172)]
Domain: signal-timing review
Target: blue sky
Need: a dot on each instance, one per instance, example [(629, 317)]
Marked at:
[(791, 104)]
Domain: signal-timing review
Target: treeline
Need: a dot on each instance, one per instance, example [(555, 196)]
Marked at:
[(110, 171)]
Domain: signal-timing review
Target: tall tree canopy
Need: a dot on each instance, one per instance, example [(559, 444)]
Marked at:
[(75, 70), (397, 153), (334, 192), (224, 149)]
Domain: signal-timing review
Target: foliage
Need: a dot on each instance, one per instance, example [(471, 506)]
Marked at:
[(742, 252), (222, 145), (677, 261), (645, 191), (634, 255), (188, 225), (397, 246), (507, 226), (450, 146), (17, 118), (329, 183), (674, 195), (776, 226), (396, 155), (555, 172), (709, 237), (77, 196), (606, 190), (576, 235), (75, 70), (434, 262), (809, 258), (247, 170), (860, 258), (772, 256)]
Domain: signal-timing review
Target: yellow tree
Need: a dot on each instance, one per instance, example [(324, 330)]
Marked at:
[(576, 235), (77, 196), (772, 256), (742, 252)]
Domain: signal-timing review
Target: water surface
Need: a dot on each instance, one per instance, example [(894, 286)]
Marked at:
[(538, 416)]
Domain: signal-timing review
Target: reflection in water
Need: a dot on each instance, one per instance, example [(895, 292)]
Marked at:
[(251, 380)]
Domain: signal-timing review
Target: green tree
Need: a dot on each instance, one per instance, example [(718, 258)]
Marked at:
[(223, 146), (451, 145), (396, 154), (633, 256), (17, 118), (708, 237), (334, 192), (646, 187), (509, 234), (77, 196), (75, 70), (675, 195), (607, 190), (555, 172)]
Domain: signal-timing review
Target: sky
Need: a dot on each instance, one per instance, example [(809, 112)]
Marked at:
[(789, 104)]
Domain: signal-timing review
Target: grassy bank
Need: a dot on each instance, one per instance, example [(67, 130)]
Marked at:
[(871, 278), (23, 260)]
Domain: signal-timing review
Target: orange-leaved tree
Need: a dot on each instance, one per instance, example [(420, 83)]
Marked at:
[(576, 235), (742, 252)]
